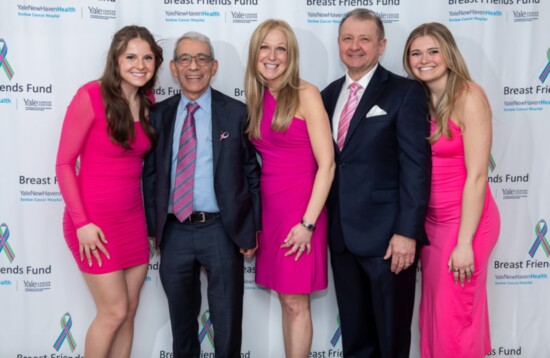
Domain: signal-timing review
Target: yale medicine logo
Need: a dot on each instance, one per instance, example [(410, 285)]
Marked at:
[(4, 244), (4, 64), (546, 69), (540, 229)]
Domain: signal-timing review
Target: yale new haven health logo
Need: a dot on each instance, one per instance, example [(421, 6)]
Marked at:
[(541, 229), (4, 63), (544, 74), (4, 244)]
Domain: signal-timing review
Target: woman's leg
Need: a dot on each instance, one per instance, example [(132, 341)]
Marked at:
[(297, 325), (110, 295), (122, 345)]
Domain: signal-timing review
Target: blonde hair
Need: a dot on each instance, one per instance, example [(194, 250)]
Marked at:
[(458, 75), (288, 99)]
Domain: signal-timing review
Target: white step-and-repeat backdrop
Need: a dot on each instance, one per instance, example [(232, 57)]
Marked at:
[(49, 48)]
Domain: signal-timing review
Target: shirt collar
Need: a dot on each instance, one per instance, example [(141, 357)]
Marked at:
[(363, 81), (204, 101)]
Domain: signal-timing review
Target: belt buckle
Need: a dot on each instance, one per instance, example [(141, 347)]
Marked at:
[(202, 217)]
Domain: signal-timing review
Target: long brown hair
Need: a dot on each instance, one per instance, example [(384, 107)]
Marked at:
[(288, 99), (458, 79), (120, 123)]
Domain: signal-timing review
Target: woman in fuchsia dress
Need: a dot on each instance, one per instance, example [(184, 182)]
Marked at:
[(106, 128), (290, 129), (463, 222)]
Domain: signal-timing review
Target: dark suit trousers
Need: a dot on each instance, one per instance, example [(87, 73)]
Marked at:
[(184, 249), (375, 306)]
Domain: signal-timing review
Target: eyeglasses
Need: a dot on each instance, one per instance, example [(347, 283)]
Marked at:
[(185, 60)]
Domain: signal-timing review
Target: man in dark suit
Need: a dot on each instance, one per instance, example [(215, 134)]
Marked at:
[(215, 221), (380, 192)]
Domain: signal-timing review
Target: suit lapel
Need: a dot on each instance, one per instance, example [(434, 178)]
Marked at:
[(218, 125), (373, 90), (169, 129), (334, 99)]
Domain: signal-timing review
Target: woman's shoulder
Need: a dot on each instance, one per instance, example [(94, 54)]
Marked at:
[(91, 86), (91, 90), (471, 102), (307, 91), (473, 92)]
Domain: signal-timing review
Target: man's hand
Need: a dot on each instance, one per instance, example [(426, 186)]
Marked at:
[(249, 253), (402, 251)]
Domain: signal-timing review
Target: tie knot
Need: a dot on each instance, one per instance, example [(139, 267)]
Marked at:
[(192, 107), (354, 87)]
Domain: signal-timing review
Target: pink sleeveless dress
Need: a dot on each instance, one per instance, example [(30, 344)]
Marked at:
[(288, 173), (454, 321), (107, 189)]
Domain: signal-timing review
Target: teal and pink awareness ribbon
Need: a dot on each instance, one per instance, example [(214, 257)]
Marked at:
[(66, 324), (546, 70), (337, 333), (4, 61), (541, 230), (4, 244), (492, 163), (207, 329)]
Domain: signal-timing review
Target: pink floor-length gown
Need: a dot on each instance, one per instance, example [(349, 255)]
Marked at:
[(288, 173), (454, 320), (107, 189)]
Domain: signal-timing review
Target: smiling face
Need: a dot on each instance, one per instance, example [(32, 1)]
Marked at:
[(273, 57), (136, 65), (427, 62), (194, 79), (360, 46)]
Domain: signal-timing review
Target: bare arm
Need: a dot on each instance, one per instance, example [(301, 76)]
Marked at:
[(313, 112), (474, 118)]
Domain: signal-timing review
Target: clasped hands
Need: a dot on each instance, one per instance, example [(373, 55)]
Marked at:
[(298, 240)]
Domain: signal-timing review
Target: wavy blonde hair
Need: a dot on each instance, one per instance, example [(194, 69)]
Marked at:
[(288, 99), (458, 75)]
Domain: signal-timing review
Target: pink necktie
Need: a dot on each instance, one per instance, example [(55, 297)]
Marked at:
[(185, 167), (347, 113)]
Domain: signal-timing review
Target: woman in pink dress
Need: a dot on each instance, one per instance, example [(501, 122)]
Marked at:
[(106, 127), (290, 129), (463, 221)]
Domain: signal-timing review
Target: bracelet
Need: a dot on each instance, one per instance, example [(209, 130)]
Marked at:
[(310, 227)]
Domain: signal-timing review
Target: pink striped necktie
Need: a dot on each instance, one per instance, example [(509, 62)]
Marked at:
[(185, 167), (347, 113)]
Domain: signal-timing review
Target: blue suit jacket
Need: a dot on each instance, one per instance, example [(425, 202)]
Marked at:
[(236, 169), (382, 181)]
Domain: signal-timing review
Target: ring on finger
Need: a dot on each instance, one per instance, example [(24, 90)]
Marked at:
[(301, 249)]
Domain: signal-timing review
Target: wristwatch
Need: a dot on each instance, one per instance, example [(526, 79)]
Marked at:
[(310, 227)]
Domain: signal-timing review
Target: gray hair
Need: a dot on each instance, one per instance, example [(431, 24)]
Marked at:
[(364, 15), (195, 36)]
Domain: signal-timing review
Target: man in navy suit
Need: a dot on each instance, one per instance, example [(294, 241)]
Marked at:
[(225, 201), (380, 192)]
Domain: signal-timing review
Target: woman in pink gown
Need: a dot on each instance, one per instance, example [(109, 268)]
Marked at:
[(106, 128), (463, 221), (290, 129)]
